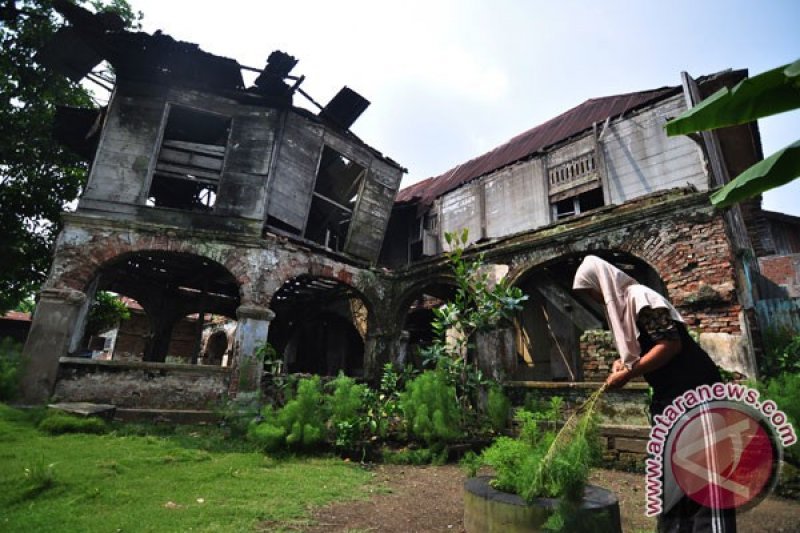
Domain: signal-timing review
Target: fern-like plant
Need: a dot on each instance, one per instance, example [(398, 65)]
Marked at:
[(542, 463), (298, 425), (347, 409), (431, 409)]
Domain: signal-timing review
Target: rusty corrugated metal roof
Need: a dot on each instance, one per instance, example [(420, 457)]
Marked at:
[(562, 127)]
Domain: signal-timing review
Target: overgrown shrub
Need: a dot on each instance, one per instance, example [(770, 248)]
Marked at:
[(478, 305), (431, 409), (384, 416), (781, 353), (57, 422), (497, 408), (347, 409), (10, 359), (541, 463), (784, 390), (298, 425)]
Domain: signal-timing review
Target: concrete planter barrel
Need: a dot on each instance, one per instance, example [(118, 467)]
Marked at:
[(487, 510)]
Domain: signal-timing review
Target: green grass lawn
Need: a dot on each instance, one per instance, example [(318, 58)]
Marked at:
[(135, 478)]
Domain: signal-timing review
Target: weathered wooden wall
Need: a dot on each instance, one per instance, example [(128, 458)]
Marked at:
[(637, 159), (641, 159), (268, 174)]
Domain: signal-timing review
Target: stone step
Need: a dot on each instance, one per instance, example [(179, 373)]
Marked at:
[(100, 410)]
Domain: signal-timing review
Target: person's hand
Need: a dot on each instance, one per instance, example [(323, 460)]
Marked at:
[(617, 366), (618, 379)]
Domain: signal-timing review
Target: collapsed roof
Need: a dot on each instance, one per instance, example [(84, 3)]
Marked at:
[(90, 38)]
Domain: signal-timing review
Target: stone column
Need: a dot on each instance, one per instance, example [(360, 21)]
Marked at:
[(53, 328), (380, 347), (251, 331)]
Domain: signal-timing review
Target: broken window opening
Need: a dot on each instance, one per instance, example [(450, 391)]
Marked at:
[(580, 203), (425, 241), (336, 194), (190, 160)]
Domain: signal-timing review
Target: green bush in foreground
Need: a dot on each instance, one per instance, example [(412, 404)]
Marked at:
[(497, 408), (541, 463), (298, 425), (431, 408)]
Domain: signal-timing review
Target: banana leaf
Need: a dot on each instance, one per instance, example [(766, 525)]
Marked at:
[(769, 93), (778, 169)]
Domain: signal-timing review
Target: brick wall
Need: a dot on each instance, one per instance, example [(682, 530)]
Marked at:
[(783, 271), (598, 353)]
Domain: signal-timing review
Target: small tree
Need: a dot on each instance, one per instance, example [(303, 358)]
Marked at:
[(478, 306)]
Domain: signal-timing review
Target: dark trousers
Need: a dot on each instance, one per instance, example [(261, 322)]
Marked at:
[(688, 516)]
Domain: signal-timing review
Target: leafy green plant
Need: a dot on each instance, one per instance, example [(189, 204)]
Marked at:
[(781, 353), (107, 311), (431, 409), (478, 305), (237, 414), (10, 360), (784, 390), (771, 92), (383, 415), (497, 408), (347, 407), (57, 422)]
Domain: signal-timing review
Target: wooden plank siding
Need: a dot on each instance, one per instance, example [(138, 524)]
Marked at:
[(461, 210), (370, 217), (516, 200), (242, 190), (295, 171), (127, 145), (641, 159)]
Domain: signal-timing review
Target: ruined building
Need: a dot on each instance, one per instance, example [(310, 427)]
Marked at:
[(232, 217)]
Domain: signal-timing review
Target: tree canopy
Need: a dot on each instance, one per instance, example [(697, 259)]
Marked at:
[(769, 93), (38, 177)]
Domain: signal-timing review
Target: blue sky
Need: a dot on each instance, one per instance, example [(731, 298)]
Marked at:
[(449, 80)]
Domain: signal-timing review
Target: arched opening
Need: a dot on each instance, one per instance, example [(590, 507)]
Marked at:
[(319, 326), (417, 321), (173, 300), (552, 320)]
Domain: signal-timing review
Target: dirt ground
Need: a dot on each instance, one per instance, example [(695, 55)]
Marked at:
[(410, 499)]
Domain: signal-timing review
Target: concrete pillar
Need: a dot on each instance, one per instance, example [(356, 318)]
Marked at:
[(380, 347), (56, 317), (251, 332), (496, 353)]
